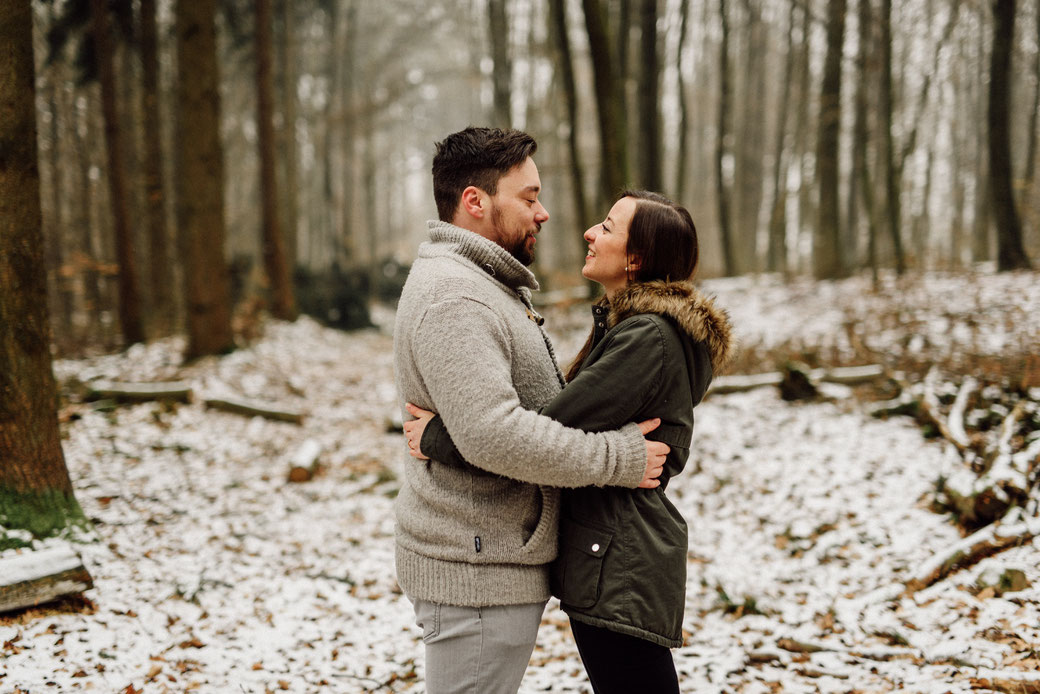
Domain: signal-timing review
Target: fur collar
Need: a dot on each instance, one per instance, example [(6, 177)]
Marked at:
[(694, 313)]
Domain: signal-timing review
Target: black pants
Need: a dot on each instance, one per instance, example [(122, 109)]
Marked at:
[(623, 664)]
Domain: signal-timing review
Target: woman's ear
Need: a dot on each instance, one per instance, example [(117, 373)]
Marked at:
[(634, 263)]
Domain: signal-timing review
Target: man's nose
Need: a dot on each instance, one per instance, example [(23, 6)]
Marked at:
[(542, 214)]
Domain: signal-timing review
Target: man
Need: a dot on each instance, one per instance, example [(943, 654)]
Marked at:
[(474, 543)]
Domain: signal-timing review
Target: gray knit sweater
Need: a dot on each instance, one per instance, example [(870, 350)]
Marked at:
[(468, 345)]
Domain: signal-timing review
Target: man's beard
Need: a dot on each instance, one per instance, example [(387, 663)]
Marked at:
[(517, 247)]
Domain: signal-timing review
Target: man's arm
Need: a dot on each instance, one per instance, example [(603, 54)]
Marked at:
[(463, 354), (597, 399)]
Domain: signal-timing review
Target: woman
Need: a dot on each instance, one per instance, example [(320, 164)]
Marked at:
[(654, 346)]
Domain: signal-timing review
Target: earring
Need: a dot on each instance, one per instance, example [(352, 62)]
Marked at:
[(626, 268)]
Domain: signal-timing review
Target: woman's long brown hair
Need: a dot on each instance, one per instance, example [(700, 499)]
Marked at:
[(663, 237)]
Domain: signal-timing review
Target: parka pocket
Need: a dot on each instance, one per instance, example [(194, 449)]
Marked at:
[(576, 577)]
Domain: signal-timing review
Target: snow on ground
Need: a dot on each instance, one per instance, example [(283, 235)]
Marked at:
[(213, 573)]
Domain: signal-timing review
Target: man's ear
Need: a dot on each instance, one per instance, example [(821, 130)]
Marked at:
[(472, 202)]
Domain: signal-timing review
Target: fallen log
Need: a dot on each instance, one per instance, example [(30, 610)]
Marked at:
[(1008, 682), (304, 463), (254, 408), (1014, 529), (139, 392), (32, 578), (846, 375)]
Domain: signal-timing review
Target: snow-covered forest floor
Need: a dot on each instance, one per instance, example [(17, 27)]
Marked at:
[(214, 573)]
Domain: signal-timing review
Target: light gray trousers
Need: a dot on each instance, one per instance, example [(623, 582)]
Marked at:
[(477, 650)]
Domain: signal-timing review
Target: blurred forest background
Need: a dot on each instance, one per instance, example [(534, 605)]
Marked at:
[(284, 165)]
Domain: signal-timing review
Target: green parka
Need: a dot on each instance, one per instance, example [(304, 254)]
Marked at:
[(622, 557)]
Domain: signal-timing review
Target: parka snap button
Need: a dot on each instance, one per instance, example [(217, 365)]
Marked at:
[(595, 547)]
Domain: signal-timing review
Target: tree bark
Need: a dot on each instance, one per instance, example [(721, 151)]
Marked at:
[(558, 24), (161, 282), (282, 302), (200, 181), (827, 260), (35, 490), (776, 252), (502, 68), (892, 189), (722, 189), (130, 320), (610, 102), (1011, 254), (681, 168), (649, 118), (287, 136)]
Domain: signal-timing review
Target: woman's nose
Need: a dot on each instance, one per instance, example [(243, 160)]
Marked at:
[(589, 235)]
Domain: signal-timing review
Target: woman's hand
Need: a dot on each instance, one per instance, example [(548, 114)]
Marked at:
[(414, 429)]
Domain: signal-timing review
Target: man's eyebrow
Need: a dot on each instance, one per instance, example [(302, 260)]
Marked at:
[(531, 189)]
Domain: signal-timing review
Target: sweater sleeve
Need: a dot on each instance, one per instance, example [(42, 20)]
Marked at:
[(464, 355)]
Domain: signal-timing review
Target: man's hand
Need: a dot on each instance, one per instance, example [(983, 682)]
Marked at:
[(414, 429), (656, 453)]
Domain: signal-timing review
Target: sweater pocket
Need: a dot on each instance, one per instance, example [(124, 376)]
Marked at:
[(576, 577)]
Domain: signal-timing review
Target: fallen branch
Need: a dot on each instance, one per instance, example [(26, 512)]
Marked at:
[(1013, 530), (139, 392), (254, 408), (1009, 682), (31, 578), (847, 375), (955, 421), (929, 408)]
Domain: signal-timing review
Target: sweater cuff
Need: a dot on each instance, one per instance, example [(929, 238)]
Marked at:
[(631, 457)]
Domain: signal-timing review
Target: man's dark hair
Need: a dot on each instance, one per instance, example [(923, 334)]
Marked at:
[(475, 157)]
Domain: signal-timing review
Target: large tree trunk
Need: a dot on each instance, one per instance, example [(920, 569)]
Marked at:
[(827, 261), (610, 103), (888, 154), (35, 490), (649, 119), (1011, 254), (502, 69), (722, 189), (282, 303), (160, 269), (130, 320), (558, 25), (200, 181)]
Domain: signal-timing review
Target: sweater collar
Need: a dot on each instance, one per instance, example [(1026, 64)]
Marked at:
[(484, 253)]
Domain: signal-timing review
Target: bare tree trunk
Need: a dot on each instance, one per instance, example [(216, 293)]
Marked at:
[(502, 70), (610, 102), (1011, 254), (776, 254), (649, 118), (200, 181), (827, 261), (282, 303), (892, 189), (130, 320), (684, 107), (1034, 118), (159, 261), (725, 233), (748, 148), (558, 25), (35, 491), (287, 136)]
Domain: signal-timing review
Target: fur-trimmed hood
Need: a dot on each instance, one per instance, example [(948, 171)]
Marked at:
[(694, 313)]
